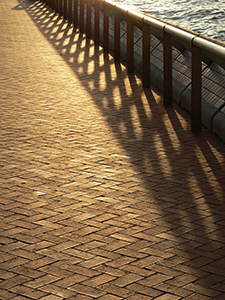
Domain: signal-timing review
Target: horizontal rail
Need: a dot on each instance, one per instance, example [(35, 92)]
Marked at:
[(146, 24)]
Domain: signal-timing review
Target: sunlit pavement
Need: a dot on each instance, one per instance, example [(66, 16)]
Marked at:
[(105, 194)]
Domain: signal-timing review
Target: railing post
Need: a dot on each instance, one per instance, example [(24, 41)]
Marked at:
[(116, 37), (196, 91), (57, 6), (70, 17), (97, 13), (60, 7), (81, 15), (75, 13), (51, 4), (167, 68), (88, 22), (65, 9), (146, 55), (130, 45), (106, 28)]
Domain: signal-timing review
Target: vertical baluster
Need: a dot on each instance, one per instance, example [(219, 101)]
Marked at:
[(167, 68), (82, 15), (60, 7), (146, 55), (196, 91), (56, 6), (130, 45), (70, 17), (117, 37), (106, 28), (65, 9), (97, 16), (88, 23), (75, 13)]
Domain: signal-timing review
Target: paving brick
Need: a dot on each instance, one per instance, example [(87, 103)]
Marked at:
[(136, 270), (95, 261), (77, 269), (87, 290), (191, 270), (53, 270), (210, 280), (131, 253), (147, 261), (219, 287), (58, 291), (110, 297), (116, 290), (38, 282), (51, 297), (139, 296), (80, 297), (195, 296), (89, 246), (27, 292), (4, 294), (144, 290), (115, 272), (6, 256), (116, 263), (13, 281), (139, 245), (57, 255), (99, 280), (39, 263), (26, 254), (202, 290), (182, 280), (28, 272), (154, 279), (126, 280), (115, 245), (17, 261), (168, 296), (23, 237), (5, 274), (70, 280), (179, 291)]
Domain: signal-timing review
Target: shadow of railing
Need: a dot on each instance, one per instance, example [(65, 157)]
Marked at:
[(158, 141)]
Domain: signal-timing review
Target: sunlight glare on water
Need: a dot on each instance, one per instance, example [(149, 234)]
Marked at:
[(206, 17)]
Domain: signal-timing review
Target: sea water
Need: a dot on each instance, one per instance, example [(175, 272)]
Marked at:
[(206, 17)]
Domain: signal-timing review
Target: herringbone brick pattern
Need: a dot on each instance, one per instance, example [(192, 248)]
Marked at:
[(105, 194)]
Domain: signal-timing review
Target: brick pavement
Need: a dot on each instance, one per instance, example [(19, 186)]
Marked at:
[(105, 194)]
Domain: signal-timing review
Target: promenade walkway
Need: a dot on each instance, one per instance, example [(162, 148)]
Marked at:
[(104, 193)]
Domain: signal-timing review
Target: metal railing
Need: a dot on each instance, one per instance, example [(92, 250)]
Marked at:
[(80, 13)]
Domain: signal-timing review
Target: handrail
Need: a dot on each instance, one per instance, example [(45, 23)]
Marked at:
[(144, 23)]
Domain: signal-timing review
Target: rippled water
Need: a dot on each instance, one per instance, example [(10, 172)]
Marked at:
[(206, 17)]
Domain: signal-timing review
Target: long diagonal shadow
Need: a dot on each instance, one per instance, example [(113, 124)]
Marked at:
[(181, 172)]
